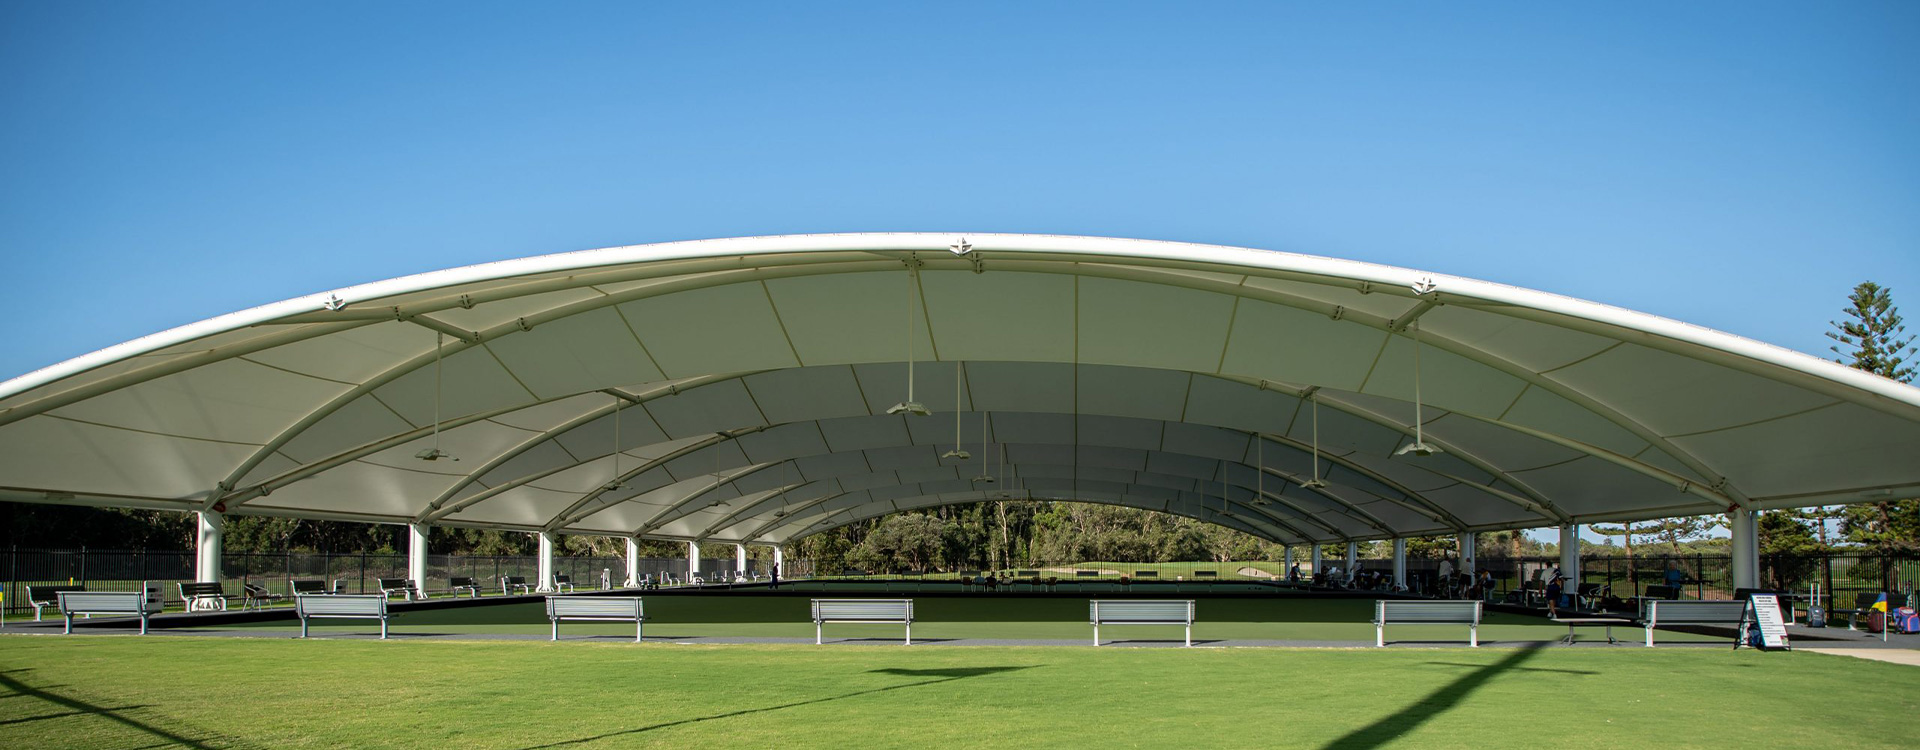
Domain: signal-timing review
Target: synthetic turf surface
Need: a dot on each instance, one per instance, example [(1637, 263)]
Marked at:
[(124, 692), (1277, 618)]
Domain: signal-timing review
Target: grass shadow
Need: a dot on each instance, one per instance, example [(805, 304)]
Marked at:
[(1404, 721), (77, 707), (936, 676)]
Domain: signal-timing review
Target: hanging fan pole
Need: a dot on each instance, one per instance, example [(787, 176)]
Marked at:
[(1419, 423), (1316, 436), (913, 286), (439, 340)]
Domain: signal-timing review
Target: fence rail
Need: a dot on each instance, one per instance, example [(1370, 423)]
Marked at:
[(124, 570), (1702, 576)]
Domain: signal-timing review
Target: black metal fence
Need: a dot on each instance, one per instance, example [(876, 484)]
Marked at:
[(352, 572), (1839, 576)]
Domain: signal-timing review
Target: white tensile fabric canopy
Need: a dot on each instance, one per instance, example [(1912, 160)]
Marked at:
[(750, 383)]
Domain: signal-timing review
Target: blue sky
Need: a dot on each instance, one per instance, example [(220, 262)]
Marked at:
[(1735, 165)]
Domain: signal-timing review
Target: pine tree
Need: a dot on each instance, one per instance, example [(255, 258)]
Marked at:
[(1875, 341), (1873, 334)]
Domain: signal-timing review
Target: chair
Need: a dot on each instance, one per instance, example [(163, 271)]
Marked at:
[(256, 596)]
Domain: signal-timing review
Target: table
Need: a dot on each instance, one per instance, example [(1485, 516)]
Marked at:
[(1608, 622)]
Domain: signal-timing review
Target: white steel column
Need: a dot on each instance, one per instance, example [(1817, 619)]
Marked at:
[(1570, 555), (1746, 549), (1353, 558), (1468, 544), (633, 563), (739, 559), (1289, 560), (693, 559), (1316, 560), (546, 562), (206, 548), (417, 555), (1399, 562), (779, 558)]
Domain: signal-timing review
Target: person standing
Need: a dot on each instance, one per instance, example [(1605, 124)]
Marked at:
[(776, 578)]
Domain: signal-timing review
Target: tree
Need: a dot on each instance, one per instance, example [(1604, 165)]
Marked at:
[(1874, 334), (1787, 549), (1626, 532), (1876, 342)]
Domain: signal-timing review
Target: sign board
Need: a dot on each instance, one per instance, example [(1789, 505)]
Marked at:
[(1765, 611)]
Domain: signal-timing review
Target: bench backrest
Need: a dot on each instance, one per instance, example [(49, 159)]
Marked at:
[(1086, 574), (1140, 610), (627, 607), (885, 610), (1865, 599), (1406, 611), (343, 605), (1662, 591), (1587, 589), (562, 579), (210, 588), (395, 583), (1206, 574), (460, 582), (307, 586), (1146, 574), (107, 602), (50, 593), (1694, 611), (516, 580)]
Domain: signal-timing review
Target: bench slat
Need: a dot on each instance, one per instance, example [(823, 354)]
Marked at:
[(1418, 612), (888, 611)]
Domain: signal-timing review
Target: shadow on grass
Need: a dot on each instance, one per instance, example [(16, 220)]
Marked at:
[(77, 707), (937, 676), (1398, 724)]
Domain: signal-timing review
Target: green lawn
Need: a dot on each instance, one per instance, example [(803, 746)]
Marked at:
[(1264, 618), (119, 692)]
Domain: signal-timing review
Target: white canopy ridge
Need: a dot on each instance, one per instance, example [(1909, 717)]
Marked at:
[(754, 377)]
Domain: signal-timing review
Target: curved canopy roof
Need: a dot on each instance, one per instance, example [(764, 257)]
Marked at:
[(749, 383)]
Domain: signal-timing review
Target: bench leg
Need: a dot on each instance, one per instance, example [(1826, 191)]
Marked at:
[(909, 634), (1380, 635), (639, 630), (816, 632), (1649, 636), (1189, 635), (556, 631), (303, 626), (383, 628), (1096, 634), (1473, 636), (69, 630)]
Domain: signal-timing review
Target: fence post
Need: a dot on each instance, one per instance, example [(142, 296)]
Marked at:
[(83, 563)]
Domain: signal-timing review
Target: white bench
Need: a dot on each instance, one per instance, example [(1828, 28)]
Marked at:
[(599, 608), (1409, 612), (141, 604), (1693, 612), (342, 606), (42, 597), (1141, 612), (888, 611), (402, 586)]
